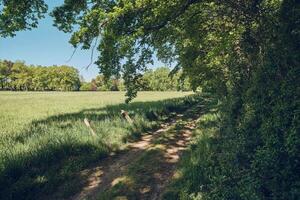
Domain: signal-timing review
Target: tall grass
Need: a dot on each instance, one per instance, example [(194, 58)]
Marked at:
[(43, 152)]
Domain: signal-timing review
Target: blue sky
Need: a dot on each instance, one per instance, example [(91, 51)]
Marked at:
[(47, 46)]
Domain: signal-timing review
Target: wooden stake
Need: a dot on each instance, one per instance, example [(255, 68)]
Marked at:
[(126, 116), (87, 123)]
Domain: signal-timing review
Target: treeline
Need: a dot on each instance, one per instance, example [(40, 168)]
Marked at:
[(101, 84), (152, 80), (19, 77), (162, 79)]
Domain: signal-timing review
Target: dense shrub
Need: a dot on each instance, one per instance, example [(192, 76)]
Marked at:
[(254, 152)]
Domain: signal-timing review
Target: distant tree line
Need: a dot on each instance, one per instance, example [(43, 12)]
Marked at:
[(20, 77), (101, 84), (160, 79)]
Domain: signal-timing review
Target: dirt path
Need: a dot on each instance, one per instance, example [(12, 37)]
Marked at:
[(145, 169)]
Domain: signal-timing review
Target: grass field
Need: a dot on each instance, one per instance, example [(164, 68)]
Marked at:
[(44, 142), (20, 108)]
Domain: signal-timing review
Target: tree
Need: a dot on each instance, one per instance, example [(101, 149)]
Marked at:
[(18, 15), (102, 84), (93, 85), (65, 78), (160, 79), (85, 86), (40, 81), (112, 84), (5, 71), (132, 30), (152, 80), (19, 76)]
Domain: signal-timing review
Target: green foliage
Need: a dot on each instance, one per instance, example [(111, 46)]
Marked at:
[(18, 76), (86, 87), (112, 84), (125, 29), (254, 153), (101, 84), (160, 79), (5, 71), (18, 15)]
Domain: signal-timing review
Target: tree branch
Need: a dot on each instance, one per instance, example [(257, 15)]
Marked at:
[(172, 17)]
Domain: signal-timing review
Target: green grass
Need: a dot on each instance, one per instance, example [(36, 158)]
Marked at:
[(44, 142), (20, 108), (194, 173)]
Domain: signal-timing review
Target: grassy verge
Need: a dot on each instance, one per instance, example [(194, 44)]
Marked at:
[(192, 179), (46, 156)]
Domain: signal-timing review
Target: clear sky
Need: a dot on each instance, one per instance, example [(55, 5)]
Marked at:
[(47, 46)]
